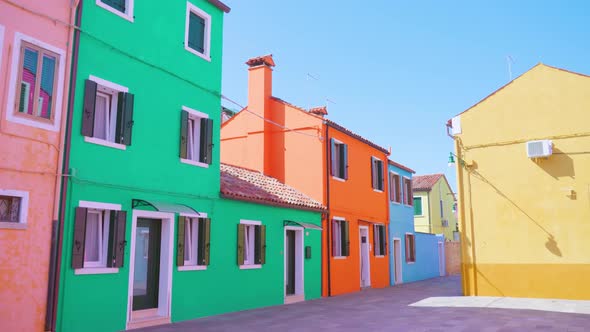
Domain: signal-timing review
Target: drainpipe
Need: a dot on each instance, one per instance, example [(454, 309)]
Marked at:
[(57, 242), (328, 223)]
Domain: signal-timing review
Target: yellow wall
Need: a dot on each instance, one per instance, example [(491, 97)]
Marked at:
[(523, 232), (431, 221), (422, 223)]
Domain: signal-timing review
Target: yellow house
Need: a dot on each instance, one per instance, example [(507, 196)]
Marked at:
[(523, 172), (434, 206)]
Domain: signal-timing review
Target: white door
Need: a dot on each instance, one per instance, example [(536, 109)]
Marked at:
[(365, 263), (441, 259), (397, 261)]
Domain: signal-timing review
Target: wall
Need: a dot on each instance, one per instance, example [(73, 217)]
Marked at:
[(422, 222), (442, 191), (29, 162), (453, 257), (524, 222), (427, 260)]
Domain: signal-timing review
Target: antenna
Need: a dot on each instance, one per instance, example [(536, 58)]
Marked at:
[(509, 61)]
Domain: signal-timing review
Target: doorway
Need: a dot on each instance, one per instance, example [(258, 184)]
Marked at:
[(364, 250), (146, 274), (441, 259), (294, 287), (397, 261)]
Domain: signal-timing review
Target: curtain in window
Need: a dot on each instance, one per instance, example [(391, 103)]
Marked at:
[(100, 116), (92, 242)]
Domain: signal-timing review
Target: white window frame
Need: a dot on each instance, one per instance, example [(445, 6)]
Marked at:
[(421, 206), (194, 115), (190, 8), (23, 209), (339, 233), (104, 207), (108, 88), (103, 238), (59, 88), (341, 179), (378, 241), (192, 264), (250, 247), (128, 15), (406, 193), (375, 173)]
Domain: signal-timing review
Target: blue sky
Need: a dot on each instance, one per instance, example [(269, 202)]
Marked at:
[(396, 71)]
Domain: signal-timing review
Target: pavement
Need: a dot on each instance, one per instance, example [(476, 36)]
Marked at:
[(388, 309)]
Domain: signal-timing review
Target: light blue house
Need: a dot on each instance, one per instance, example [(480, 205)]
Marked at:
[(414, 256)]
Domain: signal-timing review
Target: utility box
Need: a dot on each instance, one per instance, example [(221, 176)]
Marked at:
[(307, 252), (539, 149)]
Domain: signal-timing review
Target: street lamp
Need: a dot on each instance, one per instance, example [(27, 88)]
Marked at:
[(451, 160)]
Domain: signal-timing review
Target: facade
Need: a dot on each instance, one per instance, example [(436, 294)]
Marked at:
[(524, 213), (34, 66), (435, 206), (414, 255), (326, 161), (142, 161)]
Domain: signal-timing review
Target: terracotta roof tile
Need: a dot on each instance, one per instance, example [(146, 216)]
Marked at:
[(252, 186), (425, 182), (220, 5)]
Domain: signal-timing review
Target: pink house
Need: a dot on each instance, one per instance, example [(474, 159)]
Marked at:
[(34, 66)]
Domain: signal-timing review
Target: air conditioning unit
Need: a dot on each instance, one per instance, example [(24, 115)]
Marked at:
[(539, 149)]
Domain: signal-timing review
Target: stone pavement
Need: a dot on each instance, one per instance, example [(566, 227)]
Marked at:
[(385, 310)]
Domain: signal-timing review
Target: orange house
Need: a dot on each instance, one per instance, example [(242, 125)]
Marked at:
[(329, 163)]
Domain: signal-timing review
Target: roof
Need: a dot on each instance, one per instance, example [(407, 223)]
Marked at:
[(247, 185), (425, 182), (357, 136), (220, 5), (400, 166)]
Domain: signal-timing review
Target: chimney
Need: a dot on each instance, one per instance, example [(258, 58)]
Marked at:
[(260, 85), (321, 111)]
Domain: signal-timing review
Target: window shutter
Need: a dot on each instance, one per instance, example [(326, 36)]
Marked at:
[(410, 193), (206, 141), (398, 187), (79, 238), (373, 173), (196, 33), (120, 242), (257, 244), (241, 244), (345, 160), (260, 237), (124, 118), (345, 239), (183, 134), (407, 248), (180, 238), (376, 248), (89, 105), (418, 206), (112, 247), (383, 240), (204, 240), (334, 247), (380, 180), (333, 165)]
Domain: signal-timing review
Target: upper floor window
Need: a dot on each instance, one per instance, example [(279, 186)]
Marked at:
[(251, 244), (418, 206), (13, 208), (395, 188), (197, 38), (123, 8), (196, 138), (340, 238), (339, 159), (377, 174), (408, 193)]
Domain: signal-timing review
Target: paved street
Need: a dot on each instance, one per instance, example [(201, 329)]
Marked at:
[(385, 310)]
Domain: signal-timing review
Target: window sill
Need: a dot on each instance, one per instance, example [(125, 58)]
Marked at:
[(12, 225), (394, 202), (102, 142), (250, 267), (410, 263), (205, 57), (128, 17), (340, 257), (96, 270), (338, 179), (194, 163), (379, 256), (377, 190), (193, 268)]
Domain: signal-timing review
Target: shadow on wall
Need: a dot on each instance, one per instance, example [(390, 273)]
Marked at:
[(558, 165)]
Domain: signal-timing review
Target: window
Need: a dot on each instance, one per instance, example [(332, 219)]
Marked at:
[(377, 173), (251, 244), (193, 241), (196, 137), (107, 118), (340, 238), (455, 208), (198, 31), (339, 159), (408, 194), (417, 206), (410, 248), (123, 8), (99, 236), (395, 188), (445, 223), (441, 208), (13, 209), (379, 240)]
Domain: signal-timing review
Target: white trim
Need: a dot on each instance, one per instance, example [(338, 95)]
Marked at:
[(59, 88), (194, 163), (377, 190), (194, 112), (99, 205), (108, 84), (397, 262), (166, 261), (128, 15), (207, 41), (192, 268), (24, 206), (338, 218), (106, 143), (250, 222), (340, 257), (299, 261), (96, 270), (250, 267), (338, 179), (368, 256)]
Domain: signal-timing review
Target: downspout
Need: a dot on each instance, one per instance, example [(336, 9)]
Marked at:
[(328, 223), (51, 318)]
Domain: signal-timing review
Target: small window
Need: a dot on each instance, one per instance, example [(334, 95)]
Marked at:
[(196, 137), (37, 83), (340, 238), (445, 223), (198, 31), (339, 160), (96, 238), (193, 242), (10, 207), (379, 240), (408, 194), (251, 244), (454, 208), (377, 173), (410, 248), (417, 206), (395, 188), (123, 8)]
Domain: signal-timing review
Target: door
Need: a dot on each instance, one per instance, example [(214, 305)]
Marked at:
[(397, 261), (365, 264), (290, 287), (146, 275), (441, 259)]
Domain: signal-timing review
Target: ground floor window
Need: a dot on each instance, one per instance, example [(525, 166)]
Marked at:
[(410, 248), (193, 241), (251, 244), (340, 238), (379, 240)]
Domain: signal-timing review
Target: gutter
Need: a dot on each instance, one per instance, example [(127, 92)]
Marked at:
[(328, 223)]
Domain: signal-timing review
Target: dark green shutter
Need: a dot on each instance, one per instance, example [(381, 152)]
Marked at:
[(183, 134), (196, 33), (124, 118), (111, 253), (180, 239), (119, 238), (23, 97), (241, 229), (260, 243), (206, 141), (89, 106), (204, 239), (345, 239), (417, 206), (344, 161), (79, 238)]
